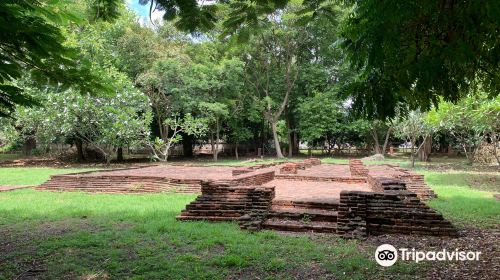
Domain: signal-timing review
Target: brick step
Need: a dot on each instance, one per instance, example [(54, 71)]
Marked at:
[(205, 218), (348, 180), (218, 213), (306, 205), (191, 207), (303, 214), (118, 190), (299, 226)]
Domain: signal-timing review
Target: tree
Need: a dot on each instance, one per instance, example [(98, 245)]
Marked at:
[(106, 123), (215, 113), (31, 40), (378, 127), (163, 84), (271, 67), (321, 118), (418, 52), (188, 125), (469, 121), (413, 127)]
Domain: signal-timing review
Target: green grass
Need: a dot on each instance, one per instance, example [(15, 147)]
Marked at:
[(463, 204), (8, 156), (76, 235), (30, 176)]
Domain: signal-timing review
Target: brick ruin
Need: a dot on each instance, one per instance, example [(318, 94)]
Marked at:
[(225, 201), (388, 206), (357, 168), (364, 213), (353, 200)]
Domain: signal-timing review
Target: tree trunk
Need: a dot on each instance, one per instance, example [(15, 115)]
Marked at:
[(187, 145), (216, 140), (119, 154), (276, 139), (494, 141), (375, 140), (412, 157), (386, 142), (29, 145), (290, 136), (296, 150), (79, 149), (212, 144), (236, 150), (424, 153)]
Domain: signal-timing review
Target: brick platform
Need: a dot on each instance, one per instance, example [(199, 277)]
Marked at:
[(364, 213), (350, 200), (414, 182), (357, 168), (154, 179), (289, 168), (223, 201)]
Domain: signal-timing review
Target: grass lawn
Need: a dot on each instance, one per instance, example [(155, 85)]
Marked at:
[(76, 235), (466, 198), (29, 176)]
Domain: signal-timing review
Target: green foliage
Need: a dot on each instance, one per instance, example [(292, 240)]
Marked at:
[(325, 118), (105, 122), (412, 126), (418, 52), (320, 116), (187, 125), (468, 121), (31, 40)]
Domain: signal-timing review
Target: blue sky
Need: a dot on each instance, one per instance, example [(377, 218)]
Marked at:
[(139, 9)]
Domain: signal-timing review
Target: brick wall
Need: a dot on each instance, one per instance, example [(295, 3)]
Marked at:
[(256, 178), (295, 177), (289, 168), (357, 168), (223, 201), (382, 184), (363, 213), (120, 184), (313, 161), (416, 184)]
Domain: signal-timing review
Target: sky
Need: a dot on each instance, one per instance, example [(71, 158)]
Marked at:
[(143, 12)]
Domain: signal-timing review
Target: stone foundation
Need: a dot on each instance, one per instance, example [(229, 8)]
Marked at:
[(415, 183), (390, 209), (120, 184), (289, 168), (256, 178), (143, 184), (313, 161), (223, 201), (357, 168), (295, 177)]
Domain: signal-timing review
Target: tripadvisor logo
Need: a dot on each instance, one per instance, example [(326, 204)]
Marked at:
[(387, 255)]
